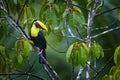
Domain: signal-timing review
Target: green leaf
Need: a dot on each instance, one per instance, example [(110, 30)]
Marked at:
[(24, 46), (78, 53), (20, 58), (106, 77), (57, 8), (97, 50), (101, 50), (69, 53), (119, 15), (83, 57), (86, 48), (65, 13), (90, 4), (117, 56), (112, 70), (2, 51), (116, 75), (32, 11), (18, 45), (27, 49), (74, 58)]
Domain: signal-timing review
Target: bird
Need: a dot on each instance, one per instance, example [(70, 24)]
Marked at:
[(38, 38)]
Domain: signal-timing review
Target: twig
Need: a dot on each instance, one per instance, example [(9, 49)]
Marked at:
[(79, 73), (72, 35), (106, 11), (22, 73), (7, 7), (106, 27), (2, 6), (104, 32)]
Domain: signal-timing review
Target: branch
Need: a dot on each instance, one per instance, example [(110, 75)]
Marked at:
[(47, 71), (79, 73), (13, 23), (91, 16), (22, 73), (104, 32), (72, 35), (106, 27), (106, 11)]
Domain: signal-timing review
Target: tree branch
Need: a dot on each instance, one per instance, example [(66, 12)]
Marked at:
[(22, 73), (79, 73), (72, 35), (106, 11), (104, 32), (47, 71), (91, 16)]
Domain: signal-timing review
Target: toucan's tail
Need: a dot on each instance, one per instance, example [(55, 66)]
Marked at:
[(41, 60)]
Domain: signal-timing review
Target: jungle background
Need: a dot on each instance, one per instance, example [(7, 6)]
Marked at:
[(68, 22)]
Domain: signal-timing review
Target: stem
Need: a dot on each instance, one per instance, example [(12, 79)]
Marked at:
[(106, 11), (79, 73), (104, 32), (91, 16)]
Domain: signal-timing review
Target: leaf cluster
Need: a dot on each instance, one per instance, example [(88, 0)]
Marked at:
[(23, 49), (78, 54), (114, 73)]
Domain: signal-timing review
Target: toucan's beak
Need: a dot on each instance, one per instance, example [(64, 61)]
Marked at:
[(40, 25)]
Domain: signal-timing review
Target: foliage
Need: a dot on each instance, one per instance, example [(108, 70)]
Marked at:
[(97, 50), (23, 48), (78, 53), (114, 73), (67, 22)]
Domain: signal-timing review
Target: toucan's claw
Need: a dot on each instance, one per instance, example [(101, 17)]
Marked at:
[(40, 53)]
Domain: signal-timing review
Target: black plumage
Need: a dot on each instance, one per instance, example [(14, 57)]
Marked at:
[(40, 42)]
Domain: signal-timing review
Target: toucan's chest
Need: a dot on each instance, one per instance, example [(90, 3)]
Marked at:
[(39, 41)]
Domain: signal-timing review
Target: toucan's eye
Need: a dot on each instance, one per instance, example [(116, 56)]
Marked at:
[(37, 25)]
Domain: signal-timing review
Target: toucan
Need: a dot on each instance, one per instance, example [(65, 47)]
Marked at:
[(38, 38)]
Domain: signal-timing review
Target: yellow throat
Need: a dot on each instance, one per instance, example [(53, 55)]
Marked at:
[(34, 31)]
